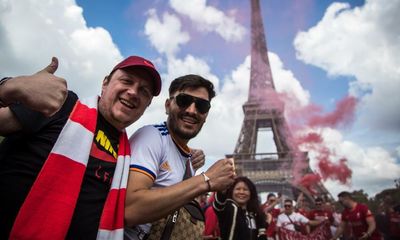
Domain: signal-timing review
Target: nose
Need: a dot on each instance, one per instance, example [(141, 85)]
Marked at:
[(191, 108), (133, 89)]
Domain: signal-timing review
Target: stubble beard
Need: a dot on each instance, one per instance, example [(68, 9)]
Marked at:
[(177, 131)]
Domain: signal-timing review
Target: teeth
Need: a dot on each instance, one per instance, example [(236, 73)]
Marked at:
[(126, 103), (189, 119)]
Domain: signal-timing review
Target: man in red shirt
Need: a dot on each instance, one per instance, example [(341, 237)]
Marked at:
[(272, 213), (358, 217), (302, 206), (320, 212)]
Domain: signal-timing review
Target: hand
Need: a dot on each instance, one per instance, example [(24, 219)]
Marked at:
[(365, 235), (43, 91), (198, 158), (221, 174)]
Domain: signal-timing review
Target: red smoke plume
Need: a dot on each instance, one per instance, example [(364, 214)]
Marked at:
[(309, 180), (312, 118), (342, 115), (340, 171)]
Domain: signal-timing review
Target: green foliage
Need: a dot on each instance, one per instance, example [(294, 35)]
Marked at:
[(385, 197), (360, 196)]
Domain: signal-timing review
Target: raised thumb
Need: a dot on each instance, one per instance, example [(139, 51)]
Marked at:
[(52, 67)]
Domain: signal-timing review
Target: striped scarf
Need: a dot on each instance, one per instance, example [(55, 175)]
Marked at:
[(49, 206)]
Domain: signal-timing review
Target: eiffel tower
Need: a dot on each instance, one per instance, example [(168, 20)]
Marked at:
[(264, 112)]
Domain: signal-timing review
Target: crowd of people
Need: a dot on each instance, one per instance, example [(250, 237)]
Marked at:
[(69, 170), (285, 220)]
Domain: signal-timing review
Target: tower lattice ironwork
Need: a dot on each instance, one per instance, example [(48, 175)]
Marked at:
[(271, 172)]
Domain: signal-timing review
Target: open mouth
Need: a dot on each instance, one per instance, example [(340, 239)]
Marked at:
[(189, 119), (242, 197), (127, 103)]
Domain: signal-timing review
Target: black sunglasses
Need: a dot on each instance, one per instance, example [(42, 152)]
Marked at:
[(184, 101), (288, 206)]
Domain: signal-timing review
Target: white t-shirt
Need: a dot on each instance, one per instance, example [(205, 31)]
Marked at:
[(155, 154), (284, 221)]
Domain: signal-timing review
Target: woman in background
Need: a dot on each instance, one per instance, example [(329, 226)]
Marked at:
[(239, 213)]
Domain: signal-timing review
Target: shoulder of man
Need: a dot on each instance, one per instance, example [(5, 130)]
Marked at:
[(150, 130)]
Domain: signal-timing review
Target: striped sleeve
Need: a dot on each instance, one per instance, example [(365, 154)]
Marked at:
[(146, 151), (219, 202)]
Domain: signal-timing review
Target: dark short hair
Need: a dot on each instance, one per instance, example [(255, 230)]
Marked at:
[(345, 194), (271, 195), (192, 81), (318, 199), (289, 201)]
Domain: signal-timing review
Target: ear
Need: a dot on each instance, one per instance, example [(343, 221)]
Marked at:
[(167, 105), (106, 80)]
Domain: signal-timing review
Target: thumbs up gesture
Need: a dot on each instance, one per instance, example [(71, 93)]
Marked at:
[(43, 91)]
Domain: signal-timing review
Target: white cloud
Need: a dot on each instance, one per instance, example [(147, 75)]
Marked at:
[(166, 35), (363, 42), (374, 169), (398, 151), (285, 82), (226, 115), (31, 32), (210, 19)]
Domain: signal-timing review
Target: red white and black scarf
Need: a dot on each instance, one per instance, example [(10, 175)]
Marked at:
[(49, 206)]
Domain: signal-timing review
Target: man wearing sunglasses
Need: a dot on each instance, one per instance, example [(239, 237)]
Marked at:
[(289, 218), (161, 159), (272, 212)]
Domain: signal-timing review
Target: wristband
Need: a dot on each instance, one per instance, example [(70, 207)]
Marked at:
[(207, 180)]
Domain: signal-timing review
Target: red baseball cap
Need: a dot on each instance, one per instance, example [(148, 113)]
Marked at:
[(139, 62)]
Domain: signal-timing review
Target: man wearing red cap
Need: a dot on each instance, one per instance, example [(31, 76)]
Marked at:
[(65, 161)]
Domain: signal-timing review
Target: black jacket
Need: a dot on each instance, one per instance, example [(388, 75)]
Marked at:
[(236, 223)]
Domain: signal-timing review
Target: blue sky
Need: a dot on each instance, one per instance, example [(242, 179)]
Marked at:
[(282, 19), (320, 52)]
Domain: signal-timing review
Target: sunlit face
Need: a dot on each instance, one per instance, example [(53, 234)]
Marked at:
[(318, 204), (241, 194), (125, 96), (271, 200), (288, 207), (185, 123)]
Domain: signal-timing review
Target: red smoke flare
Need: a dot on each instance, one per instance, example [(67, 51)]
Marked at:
[(340, 171), (310, 138), (309, 180), (311, 117), (342, 115)]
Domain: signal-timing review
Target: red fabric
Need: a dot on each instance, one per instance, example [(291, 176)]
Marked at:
[(211, 227), (322, 232), (318, 214), (85, 116), (357, 219), (114, 207), (303, 212), (47, 210), (116, 198), (271, 230)]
